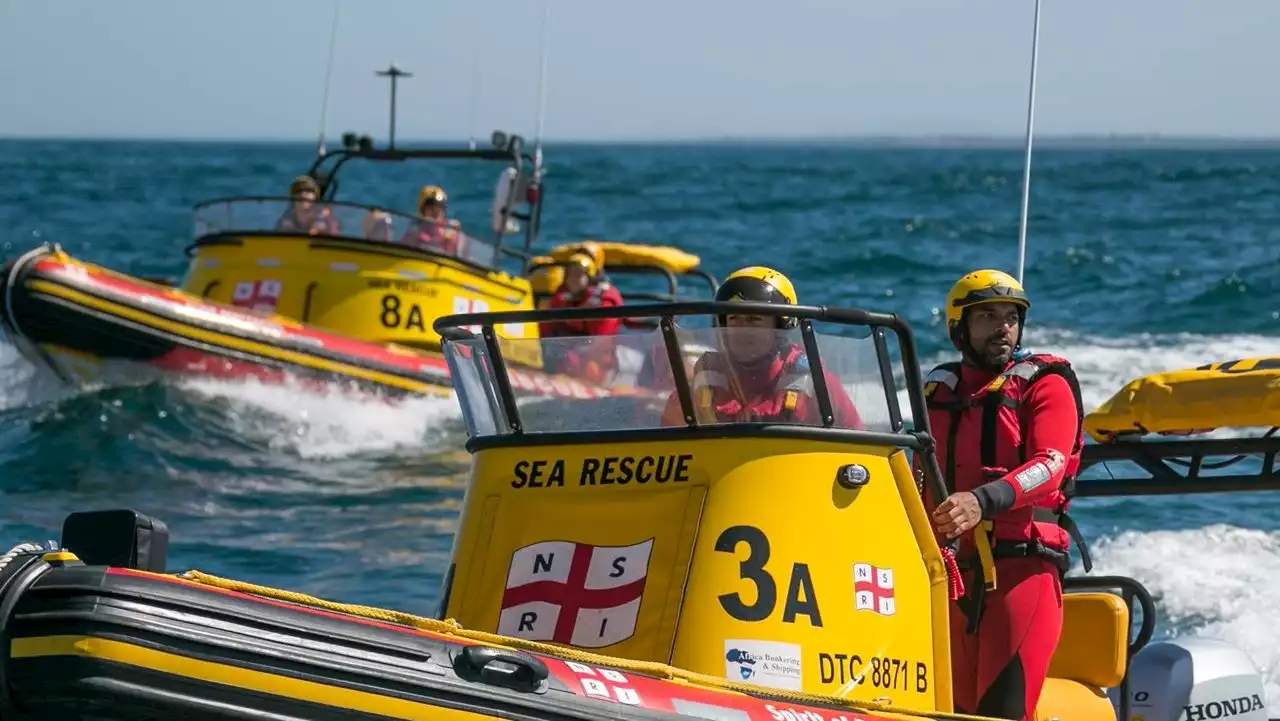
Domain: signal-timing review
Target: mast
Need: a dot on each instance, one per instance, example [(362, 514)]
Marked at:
[(395, 74), (1026, 169)]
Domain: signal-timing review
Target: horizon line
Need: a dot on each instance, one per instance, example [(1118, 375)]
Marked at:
[(923, 140)]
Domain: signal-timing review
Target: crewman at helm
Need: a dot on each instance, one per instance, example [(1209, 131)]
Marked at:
[(1009, 432), (757, 375), (302, 216), (595, 357), (434, 231)]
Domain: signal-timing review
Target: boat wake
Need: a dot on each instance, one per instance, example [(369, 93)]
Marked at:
[(1217, 581)]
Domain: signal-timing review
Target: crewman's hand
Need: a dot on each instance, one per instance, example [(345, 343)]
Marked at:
[(957, 515)]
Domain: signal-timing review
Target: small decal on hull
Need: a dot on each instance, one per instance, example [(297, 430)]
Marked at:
[(873, 589), (261, 295)]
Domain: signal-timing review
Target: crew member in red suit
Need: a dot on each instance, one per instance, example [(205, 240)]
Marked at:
[(1008, 425), (434, 230), (595, 357), (757, 375)]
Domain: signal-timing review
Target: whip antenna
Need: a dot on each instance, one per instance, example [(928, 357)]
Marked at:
[(328, 75), (1026, 169), (542, 89), (475, 84)]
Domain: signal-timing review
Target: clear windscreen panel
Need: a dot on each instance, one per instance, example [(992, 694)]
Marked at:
[(342, 220), (626, 381)]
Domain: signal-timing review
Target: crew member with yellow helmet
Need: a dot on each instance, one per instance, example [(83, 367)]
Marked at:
[(582, 287), (434, 231), (1009, 430), (758, 376), (302, 216)]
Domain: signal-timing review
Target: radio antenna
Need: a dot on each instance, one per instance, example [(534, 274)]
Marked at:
[(542, 88), (475, 85), (328, 76), (1026, 169)]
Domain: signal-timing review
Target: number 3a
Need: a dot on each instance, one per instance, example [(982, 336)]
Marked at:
[(801, 599)]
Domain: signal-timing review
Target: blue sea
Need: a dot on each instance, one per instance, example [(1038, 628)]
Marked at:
[(1139, 261)]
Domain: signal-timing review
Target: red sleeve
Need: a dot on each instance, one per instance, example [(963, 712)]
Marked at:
[(1053, 425), (841, 404), (547, 329), (609, 298), (570, 364)]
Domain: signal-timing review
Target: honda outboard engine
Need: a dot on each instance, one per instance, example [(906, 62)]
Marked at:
[(1194, 679)]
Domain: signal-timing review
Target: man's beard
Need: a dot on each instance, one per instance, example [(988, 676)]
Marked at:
[(994, 353)]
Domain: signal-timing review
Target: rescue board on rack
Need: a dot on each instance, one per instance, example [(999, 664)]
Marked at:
[(1230, 394)]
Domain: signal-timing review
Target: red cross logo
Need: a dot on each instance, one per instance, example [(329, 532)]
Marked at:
[(873, 589), (257, 295), (575, 593)]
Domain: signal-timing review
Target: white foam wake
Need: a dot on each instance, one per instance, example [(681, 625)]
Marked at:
[(1219, 581), (329, 425)]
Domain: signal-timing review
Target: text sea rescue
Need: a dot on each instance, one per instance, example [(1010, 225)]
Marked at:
[(606, 471)]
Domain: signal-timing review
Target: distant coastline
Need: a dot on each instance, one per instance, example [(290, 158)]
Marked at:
[(923, 141)]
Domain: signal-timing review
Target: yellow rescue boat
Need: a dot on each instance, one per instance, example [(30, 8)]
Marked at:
[(607, 566), (350, 300)]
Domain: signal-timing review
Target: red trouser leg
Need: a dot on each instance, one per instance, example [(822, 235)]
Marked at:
[(1000, 670)]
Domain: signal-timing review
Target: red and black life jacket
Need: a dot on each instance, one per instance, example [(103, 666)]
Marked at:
[(714, 395), (592, 297), (1022, 532)]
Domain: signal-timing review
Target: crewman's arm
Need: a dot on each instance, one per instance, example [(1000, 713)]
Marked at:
[(551, 329), (1053, 425)]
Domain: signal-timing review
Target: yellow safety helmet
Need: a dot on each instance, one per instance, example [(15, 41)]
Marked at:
[(304, 183), (593, 250), (976, 288), (584, 259), (431, 193), (758, 284)]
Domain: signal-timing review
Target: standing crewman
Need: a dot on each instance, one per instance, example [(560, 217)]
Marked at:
[(1009, 430)]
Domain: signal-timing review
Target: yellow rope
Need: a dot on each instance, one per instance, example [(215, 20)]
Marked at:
[(450, 627)]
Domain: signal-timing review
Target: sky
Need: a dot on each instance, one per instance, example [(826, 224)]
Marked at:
[(658, 69)]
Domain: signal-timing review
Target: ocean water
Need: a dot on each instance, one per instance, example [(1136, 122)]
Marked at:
[(1139, 261)]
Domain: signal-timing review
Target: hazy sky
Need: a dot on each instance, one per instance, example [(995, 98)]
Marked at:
[(652, 69)]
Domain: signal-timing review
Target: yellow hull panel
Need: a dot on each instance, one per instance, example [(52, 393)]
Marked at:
[(376, 293)]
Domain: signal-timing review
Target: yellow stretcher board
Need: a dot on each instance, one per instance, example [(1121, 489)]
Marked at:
[(546, 276), (1239, 393)]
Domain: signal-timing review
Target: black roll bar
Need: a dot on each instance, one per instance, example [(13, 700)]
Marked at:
[(454, 328)]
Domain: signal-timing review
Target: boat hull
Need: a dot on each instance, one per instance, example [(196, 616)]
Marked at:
[(90, 325), (109, 643)]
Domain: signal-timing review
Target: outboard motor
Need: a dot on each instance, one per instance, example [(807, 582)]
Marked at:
[(1194, 679)]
